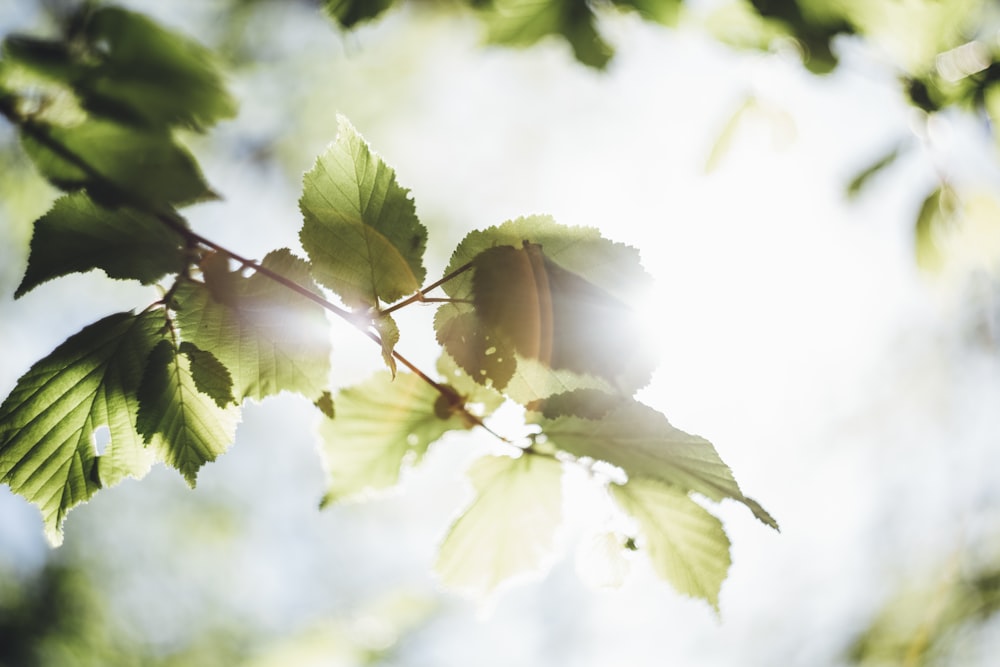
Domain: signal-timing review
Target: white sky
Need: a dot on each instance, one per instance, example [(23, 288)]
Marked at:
[(797, 335)]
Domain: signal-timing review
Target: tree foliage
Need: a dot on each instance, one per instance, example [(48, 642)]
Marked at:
[(529, 311)]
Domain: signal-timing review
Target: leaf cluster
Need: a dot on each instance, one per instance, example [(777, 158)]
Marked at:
[(528, 312)]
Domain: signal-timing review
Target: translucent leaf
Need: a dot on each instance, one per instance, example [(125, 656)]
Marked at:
[(124, 66), (686, 545), (349, 13), (184, 425), (360, 228), (380, 427), (47, 423), (517, 268), (115, 163), (509, 528), (388, 331), (473, 392), (641, 441), (76, 235), (269, 338)]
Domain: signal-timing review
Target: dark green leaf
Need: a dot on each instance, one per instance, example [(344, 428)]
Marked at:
[(77, 235), (349, 13), (269, 338), (665, 12), (47, 423), (381, 426), (209, 375), (640, 441), (485, 357), (183, 425), (116, 164), (360, 228), (526, 22), (510, 527)]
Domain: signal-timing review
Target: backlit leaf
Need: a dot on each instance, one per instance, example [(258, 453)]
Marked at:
[(209, 375), (526, 22), (360, 227), (76, 235), (509, 528), (47, 423), (686, 545), (270, 339), (933, 220), (381, 426), (388, 332), (641, 441), (185, 426)]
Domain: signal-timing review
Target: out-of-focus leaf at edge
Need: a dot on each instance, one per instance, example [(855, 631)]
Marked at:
[(381, 426), (210, 376), (509, 528), (269, 339), (665, 12), (125, 67), (183, 425), (47, 423), (76, 235), (558, 317), (641, 441), (612, 267), (115, 163), (936, 213), (388, 332), (349, 13), (862, 178), (686, 545), (360, 227), (526, 22)]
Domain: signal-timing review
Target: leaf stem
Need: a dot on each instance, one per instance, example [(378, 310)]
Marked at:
[(419, 296)]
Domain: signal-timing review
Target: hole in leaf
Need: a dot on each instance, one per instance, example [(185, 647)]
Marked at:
[(101, 438), (412, 440)]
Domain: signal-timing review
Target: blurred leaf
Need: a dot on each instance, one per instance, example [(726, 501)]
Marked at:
[(349, 13), (665, 12), (183, 425), (116, 164), (641, 441), (508, 529), (76, 235), (686, 545), (861, 179), (935, 215), (125, 67), (588, 280), (724, 141), (526, 22), (269, 339), (47, 423), (360, 228), (381, 426)]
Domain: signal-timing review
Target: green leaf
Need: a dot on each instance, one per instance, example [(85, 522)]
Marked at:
[(509, 528), (360, 228), (115, 163), (863, 177), (47, 423), (936, 215), (76, 235), (665, 12), (350, 13), (381, 426), (526, 22), (686, 545), (209, 375), (641, 441), (125, 67), (520, 267), (269, 338), (184, 425)]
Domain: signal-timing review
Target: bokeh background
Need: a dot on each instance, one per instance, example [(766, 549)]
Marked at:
[(845, 367)]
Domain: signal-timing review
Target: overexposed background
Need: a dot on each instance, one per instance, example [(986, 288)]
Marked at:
[(853, 395)]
